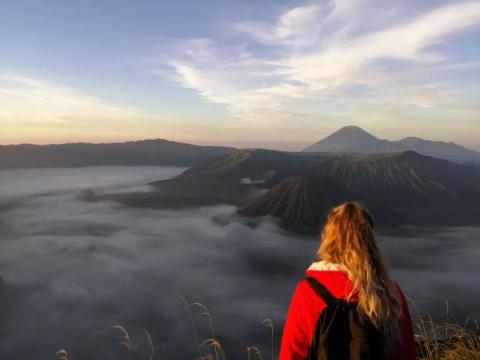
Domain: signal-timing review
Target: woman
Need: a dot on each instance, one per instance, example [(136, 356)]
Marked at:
[(352, 269)]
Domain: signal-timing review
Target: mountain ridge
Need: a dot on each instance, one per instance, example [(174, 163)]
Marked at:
[(299, 188), (140, 152), (300, 201), (355, 140)]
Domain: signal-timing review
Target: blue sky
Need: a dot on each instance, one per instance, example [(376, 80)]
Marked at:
[(278, 74)]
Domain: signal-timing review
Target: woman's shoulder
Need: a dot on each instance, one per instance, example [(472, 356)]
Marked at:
[(331, 275), (303, 288)]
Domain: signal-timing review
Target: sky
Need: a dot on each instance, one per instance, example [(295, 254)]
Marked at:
[(245, 73)]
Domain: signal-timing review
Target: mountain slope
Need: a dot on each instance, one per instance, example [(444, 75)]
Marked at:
[(298, 200), (354, 140), (253, 164), (405, 179), (231, 178), (398, 188), (403, 187), (146, 152), (440, 149)]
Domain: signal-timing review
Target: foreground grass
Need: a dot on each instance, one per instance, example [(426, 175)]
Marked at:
[(449, 340)]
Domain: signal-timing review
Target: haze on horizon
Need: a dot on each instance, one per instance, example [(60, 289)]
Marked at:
[(276, 74)]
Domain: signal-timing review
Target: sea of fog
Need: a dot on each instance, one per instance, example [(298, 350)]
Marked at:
[(70, 269)]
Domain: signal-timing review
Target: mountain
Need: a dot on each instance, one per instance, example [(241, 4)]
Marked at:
[(229, 179), (398, 188), (251, 165), (146, 152), (444, 150), (405, 179), (354, 140), (403, 187), (299, 201)]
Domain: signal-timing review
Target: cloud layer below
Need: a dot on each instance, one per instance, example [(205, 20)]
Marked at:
[(71, 269)]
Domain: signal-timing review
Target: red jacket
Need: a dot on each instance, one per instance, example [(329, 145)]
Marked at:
[(306, 306)]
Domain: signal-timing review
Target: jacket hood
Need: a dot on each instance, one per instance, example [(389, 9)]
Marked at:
[(333, 276), (325, 266)]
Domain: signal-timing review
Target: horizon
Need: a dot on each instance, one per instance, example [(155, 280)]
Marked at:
[(226, 144), (275, 74)]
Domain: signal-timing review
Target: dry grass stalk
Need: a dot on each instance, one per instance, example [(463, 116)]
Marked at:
[(187, 306), (125, 341), (149, 340), (446, 341), (204, 312), (255, 350), (269, 324), (206, 357), (217, 346)]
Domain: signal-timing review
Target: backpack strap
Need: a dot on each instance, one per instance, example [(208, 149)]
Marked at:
[(322, 291)]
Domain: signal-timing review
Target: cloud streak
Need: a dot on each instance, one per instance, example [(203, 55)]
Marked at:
[(319, 50), (28, 99)]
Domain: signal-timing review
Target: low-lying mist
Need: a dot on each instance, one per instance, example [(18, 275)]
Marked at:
[(72, 269)]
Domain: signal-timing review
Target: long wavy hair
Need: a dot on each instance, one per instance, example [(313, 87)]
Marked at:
[(348, 239)]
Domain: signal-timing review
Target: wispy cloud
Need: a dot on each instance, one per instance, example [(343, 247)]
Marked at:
[(317, 51), (28, 99), (297, 27), (407, 41)]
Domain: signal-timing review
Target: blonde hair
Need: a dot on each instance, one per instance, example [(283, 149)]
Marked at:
[(348, 239)]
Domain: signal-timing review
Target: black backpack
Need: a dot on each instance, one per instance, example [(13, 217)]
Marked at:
[(341, 332)]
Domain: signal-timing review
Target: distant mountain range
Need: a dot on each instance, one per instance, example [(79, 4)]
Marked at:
[(354, 140), (347, 140), (400, 186), (404, 187), (146, 152)]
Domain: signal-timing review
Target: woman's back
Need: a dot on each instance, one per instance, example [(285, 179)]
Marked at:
[(306, 307), (353, 270)]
